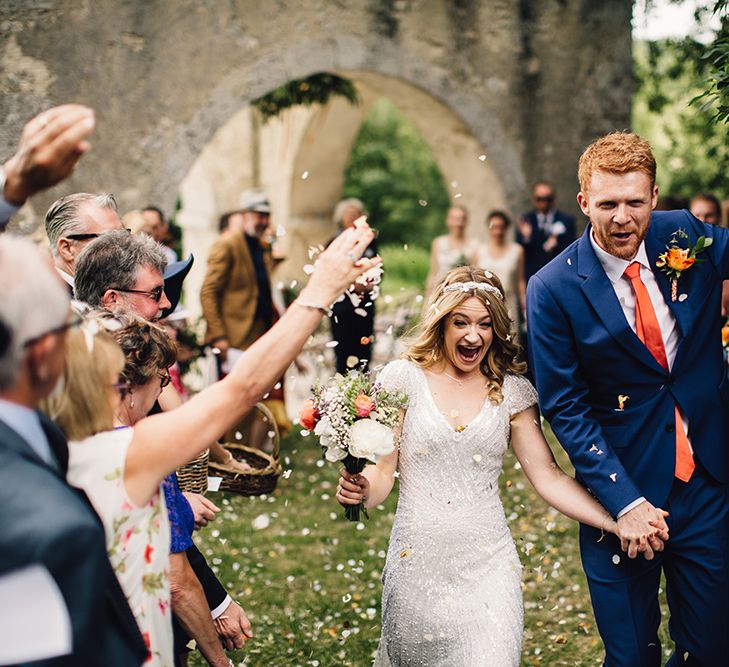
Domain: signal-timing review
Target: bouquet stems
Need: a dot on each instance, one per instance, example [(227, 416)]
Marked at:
[(354, 466)]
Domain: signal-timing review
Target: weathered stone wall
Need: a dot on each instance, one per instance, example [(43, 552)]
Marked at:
[(532, 81)]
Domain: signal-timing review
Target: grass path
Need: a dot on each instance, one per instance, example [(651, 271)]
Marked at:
[(310, 581)]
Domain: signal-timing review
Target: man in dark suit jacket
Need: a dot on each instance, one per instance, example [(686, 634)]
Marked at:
[(545, 231), (45, 521), (629, 370)]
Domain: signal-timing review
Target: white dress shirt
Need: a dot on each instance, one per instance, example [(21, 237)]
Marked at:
[(614, 268)]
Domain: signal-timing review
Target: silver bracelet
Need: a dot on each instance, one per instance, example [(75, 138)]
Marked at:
[(313, 306)]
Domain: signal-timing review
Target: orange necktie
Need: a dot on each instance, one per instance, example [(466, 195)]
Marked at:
[(649, 331)]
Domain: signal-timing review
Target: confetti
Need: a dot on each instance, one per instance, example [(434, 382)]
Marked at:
[(261, 522), (364, 340), (458, 195), (477, 458), (423, 202), (622, 400), (352, 361), (346, 598), (616, 559), (331, 343), (614, 476), (682, 297), (405, 553), (308, 269), (361, 312), (286, 474), (404, 246), (305, 175), (569, 261), (482, 157)]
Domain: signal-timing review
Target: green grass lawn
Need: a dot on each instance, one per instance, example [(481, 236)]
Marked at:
[(310, 581)]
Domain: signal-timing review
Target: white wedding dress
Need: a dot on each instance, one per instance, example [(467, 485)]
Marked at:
[(452, 579)]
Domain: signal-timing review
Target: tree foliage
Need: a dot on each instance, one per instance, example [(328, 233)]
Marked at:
[(690, 146), (393, 171), (717, 57)]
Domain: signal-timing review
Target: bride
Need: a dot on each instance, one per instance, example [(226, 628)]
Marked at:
[(452, 579)]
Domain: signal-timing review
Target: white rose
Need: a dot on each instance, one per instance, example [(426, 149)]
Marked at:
[(334, 454), (370, 440)]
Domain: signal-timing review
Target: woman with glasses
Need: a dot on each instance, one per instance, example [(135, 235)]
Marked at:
[(119, 456)]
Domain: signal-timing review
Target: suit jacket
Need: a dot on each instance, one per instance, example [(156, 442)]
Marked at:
[(535, 257), (584, 354), (46, 521), (229, 293)]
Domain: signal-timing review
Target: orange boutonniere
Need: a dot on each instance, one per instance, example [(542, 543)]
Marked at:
[(675, 260)]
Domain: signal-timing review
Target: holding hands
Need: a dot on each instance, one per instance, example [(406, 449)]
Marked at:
[(643, 530)]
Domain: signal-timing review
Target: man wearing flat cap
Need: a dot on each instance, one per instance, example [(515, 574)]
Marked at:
[(236, 293)]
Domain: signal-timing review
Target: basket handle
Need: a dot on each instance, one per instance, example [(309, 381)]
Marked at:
[(261, 407)]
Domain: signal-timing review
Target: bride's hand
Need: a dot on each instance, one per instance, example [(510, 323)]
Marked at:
[(352, 489)]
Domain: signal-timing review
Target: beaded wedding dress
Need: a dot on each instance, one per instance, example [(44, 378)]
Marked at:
[(452, 578)]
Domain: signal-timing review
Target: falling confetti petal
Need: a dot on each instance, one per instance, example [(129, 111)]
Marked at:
[(364, 340), (352, 361), (423, 202), (361, 312), (622, 400), (405, 553), (308, 269), (332, 343), (346, 598), (616, 559), (614, 476), (477, 458), (458, 195), (286, 474), (569, 261), (404, 246), (305, 175), (261, 522), (682, 297), (482, 157)]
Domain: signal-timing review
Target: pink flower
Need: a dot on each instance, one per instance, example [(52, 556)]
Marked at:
[(364, 405)]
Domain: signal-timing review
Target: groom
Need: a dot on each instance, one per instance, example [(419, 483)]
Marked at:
[(630, 377)]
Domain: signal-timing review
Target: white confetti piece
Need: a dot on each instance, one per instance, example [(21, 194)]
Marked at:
[(423, 202), (352, 361), (293, 284), (238, 435), (286, 473), (360, 526), (404, 246), (616, 559), (361, 312), (614, 476), (305, 175), (569, 261), (346, 598), (396, 474), (261, 522), (593, 448), (482, 157), (477, 458), (331, 343), (682, 297), (308, 269), (458, 195), (454, 184), (389, 330)]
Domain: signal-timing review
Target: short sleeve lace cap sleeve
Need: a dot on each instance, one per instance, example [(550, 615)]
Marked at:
[(395, 376), (519, 394)]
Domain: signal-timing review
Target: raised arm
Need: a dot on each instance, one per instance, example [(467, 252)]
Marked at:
[(165, 441)]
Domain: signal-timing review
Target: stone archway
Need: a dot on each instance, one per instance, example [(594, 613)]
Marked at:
[(299, 161), (530, 81)]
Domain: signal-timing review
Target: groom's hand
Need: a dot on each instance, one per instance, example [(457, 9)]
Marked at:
[(642, 530)]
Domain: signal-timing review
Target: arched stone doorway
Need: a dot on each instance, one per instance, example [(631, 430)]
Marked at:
[(299, 161)]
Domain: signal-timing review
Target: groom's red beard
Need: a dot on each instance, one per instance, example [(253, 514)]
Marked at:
[(621, 241)]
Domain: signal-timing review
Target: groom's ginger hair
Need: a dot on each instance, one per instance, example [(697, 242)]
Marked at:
[(616, 153)]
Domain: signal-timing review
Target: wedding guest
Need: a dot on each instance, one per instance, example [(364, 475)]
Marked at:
[(505, 259), (160, 230), (50, 146), (44, 521), (137, 223), (706, 207), (545, 231), (452, 249), (353, 318), (120, 259), (74, 220), (137, 458)]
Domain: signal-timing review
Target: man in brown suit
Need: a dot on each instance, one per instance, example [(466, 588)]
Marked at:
[(236, 293)]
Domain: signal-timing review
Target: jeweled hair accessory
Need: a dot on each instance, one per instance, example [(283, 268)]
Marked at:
[(471, 285)]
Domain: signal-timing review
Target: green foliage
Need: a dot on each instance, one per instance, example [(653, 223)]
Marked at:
[(691, 150), (405, 267), (315, 89), (717, 57), (392, 170)]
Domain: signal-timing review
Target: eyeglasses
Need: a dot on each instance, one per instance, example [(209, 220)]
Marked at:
[(545, 198), (73, 322), (154, 294), (164, 380), (82, 237), (123, 387)]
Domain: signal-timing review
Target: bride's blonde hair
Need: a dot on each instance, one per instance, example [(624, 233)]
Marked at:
[(426, 348)]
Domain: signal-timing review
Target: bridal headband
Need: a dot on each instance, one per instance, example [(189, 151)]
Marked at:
[(471, 285)]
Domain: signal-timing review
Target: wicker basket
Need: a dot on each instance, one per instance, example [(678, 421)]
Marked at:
[(193, 476), (266, 467)]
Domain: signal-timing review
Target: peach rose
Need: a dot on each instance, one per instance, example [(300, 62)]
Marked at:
[(364, 405), (308, 414)]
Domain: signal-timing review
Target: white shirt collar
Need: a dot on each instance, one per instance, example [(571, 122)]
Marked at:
[(67, 277), (614, 266)]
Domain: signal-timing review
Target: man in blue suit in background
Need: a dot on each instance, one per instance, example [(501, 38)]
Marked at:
[(628, 364)]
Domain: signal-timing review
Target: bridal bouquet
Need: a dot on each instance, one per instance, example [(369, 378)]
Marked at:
[(354, 418)]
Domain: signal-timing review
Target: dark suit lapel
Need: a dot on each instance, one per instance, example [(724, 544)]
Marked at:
[(599, 291), (57, 442)]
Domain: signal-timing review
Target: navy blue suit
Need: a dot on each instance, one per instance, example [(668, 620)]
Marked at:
[(584, 354), (535, 256)]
